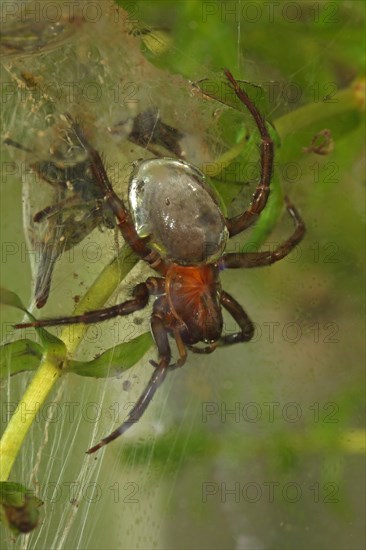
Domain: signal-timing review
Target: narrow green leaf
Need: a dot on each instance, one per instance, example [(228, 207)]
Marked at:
[(115, 360), (51, 343), (19, 356), (9, 298)]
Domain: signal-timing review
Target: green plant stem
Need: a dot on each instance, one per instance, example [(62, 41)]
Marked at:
[(43, 381), (50, 368)]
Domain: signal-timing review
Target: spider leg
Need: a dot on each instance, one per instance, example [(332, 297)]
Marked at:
[(141, 293), (181, 349), (158, 327), (237, 312), (140, 407), (242, 221), (124, 220), (258, 259), (159, 324)]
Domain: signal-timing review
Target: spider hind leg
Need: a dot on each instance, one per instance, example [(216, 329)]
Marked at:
[(159, 330), (140, 407)]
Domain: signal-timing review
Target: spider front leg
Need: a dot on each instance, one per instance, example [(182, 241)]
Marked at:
[(141, 293), (239, 223), (237, 312), (117, 206), (258, 259)]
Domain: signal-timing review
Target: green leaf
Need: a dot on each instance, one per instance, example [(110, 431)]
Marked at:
[(9, 298), (19, 507), (19, 356), (115, 360), (51, 343)]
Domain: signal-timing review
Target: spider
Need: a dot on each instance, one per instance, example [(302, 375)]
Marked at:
[(174, 223)]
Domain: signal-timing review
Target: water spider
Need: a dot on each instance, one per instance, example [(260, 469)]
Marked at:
[(174, 223)]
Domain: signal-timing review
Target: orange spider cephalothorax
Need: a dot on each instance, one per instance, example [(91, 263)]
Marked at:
[(194, 298)]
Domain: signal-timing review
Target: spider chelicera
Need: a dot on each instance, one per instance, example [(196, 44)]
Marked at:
[(174, 224)]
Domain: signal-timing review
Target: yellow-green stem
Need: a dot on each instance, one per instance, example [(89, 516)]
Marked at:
[(25, 413), (50, 368)]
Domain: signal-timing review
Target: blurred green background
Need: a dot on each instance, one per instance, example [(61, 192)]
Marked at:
[(259, 446)]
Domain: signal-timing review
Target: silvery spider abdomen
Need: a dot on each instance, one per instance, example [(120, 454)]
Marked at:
[(171, 205)]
